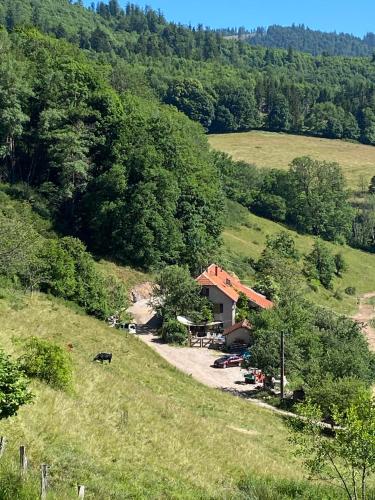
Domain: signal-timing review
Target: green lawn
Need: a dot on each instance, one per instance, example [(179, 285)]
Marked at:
[(245, 236), (138, 428), (276, 150)]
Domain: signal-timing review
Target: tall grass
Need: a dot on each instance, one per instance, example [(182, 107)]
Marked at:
[(137, 428)]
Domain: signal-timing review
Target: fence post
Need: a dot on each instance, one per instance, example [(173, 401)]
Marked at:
[(23, 460), (81, 491), (43, 482), (2, 445)]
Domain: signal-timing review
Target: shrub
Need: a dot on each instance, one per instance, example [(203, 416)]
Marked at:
[(47, 362), (351, 290), (339, 392), (269, 205), (340, 263), (13, 387), (320, 264), (174, 332), (283, 244), (72, 275), (314, 285)]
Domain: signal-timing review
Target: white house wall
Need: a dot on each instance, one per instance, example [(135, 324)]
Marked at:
[(228, 316), (242, 335)]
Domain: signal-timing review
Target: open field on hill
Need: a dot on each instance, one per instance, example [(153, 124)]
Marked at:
[(130, 277), (246, 237), (139, 428), (276, 150)]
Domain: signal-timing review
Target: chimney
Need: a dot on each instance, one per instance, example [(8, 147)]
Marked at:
[(216, 269)]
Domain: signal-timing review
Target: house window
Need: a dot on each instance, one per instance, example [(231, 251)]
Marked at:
[(218, 308), (205, 291)]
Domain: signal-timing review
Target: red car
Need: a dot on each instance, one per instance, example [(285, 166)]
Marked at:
[(230, 360)]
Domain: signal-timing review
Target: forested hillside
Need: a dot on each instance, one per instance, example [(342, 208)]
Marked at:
[(134, 179), (224, 84), (89, 139), (312, 41)]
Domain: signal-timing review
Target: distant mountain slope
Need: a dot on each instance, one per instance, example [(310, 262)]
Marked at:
[(314, 42)]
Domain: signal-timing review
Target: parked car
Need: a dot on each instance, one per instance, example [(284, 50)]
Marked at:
[(129, 327), (226, 361)]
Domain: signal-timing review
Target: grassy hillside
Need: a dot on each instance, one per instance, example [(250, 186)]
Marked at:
[(129, 276), (138, 428), (245, 236), (276, 150)]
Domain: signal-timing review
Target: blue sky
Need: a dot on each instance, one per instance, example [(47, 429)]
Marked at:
[(350, 16)]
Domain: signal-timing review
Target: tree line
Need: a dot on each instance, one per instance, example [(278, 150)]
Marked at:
[(311, 197), (316, 42), (226, 85)]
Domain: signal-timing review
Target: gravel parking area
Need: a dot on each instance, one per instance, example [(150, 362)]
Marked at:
[(197, 362)]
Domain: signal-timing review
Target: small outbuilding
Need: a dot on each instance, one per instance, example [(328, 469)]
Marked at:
[(239, 333)]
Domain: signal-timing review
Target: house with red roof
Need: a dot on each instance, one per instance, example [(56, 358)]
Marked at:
[(223, 290)]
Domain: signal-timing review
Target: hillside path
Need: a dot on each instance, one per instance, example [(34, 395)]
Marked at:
[(366, 312)]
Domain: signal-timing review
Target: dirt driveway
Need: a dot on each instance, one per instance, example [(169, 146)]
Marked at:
[(197, 362), (366, 312)]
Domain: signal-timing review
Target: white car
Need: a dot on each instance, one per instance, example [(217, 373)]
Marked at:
[(129, 327)]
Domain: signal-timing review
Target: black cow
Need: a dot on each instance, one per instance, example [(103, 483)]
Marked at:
[(103, 356)]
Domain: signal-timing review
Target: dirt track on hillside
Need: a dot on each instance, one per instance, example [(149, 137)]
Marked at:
[(366, 312)]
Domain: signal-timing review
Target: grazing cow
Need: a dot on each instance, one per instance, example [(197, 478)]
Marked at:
[(103, 356)]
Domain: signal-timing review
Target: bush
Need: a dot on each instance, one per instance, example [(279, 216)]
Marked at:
[(351, 290), (174, 332), (283, 244), (72, 275), (341, 392), (338, 294), (47, 362), (341, 265), (270, 206), (13, 387), (314, 285)]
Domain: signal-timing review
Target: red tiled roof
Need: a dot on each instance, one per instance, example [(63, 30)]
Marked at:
[(231, 286), (237, 326), (208, 280)]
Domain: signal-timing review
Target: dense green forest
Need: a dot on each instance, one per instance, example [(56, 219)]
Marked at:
[(226, 85), (86, 131), (304, 39), (88, 140), (132, 178)]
